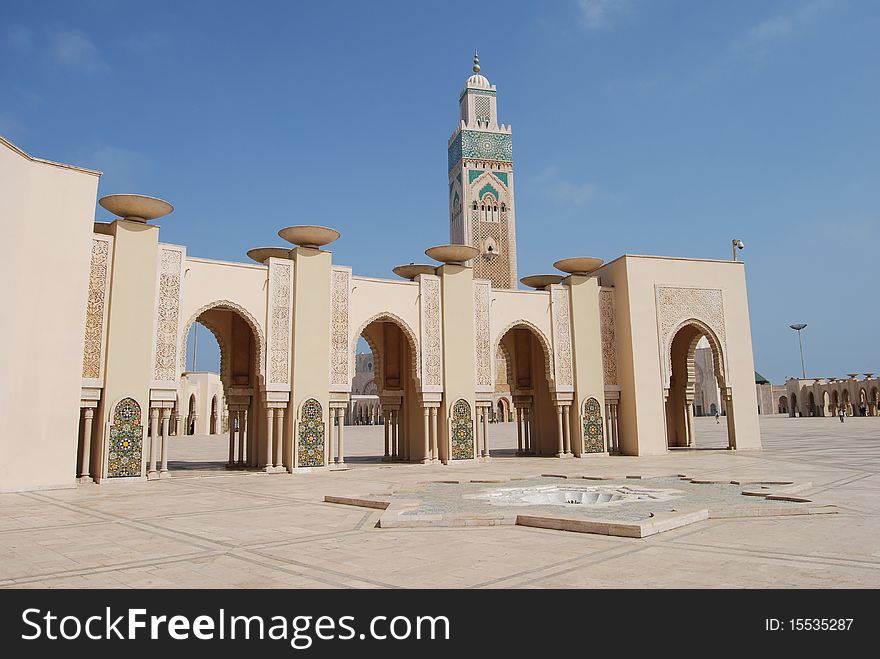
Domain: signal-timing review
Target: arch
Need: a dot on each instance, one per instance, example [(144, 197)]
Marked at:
[(783, 405), (310, 439), (260, 339), (215, 414), (718, 357), (593, 438), (680, 358), (191, 414), (125, 447), (503, 410), (462, 431), (387, 317), (811, 405), (542, 339), (826, 403), (793, 409)]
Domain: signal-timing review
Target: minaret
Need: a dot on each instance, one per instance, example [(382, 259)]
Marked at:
[(481, 208)]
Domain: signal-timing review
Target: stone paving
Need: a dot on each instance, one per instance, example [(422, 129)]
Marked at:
[(207, 527)]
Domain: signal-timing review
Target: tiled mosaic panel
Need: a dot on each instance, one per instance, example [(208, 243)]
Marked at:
[(311, 435), (480, 145), (593, 440), (462, 431), (126, 440)]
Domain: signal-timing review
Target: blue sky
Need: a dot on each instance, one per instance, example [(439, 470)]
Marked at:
[(639, 126)]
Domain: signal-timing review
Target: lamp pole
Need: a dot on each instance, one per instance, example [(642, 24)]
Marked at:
[(797, 327)]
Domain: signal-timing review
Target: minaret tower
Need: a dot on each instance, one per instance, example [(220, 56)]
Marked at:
[(481, 208)]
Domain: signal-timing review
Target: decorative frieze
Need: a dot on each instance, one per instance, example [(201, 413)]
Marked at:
[(280, 309), (677, 305), (431, 338), (609, 339), (562, 361), (167, 321), (96, 311), (482, 336), (340, 313)]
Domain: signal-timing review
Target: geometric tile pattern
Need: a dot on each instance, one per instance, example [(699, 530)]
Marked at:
[(126, 440), (462, 431), (311, 435), (593, 441)]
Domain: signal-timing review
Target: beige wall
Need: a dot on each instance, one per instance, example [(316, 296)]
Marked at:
[(642, 408), (586, 352), (47, 212)]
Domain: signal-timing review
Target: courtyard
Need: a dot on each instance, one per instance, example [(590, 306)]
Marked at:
[(209, 527)]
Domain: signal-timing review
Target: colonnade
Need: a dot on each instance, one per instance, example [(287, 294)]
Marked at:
[(612, 437), (481, 423), (563, 430), (239, 458), (159, 442), (336, 448), (524, 429)]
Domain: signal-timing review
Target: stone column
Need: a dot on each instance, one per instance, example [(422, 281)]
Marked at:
[(340, 447), (231, 460), (164, 468), (177, 424), (486, 432), (519, 430), (165, 419), (427, 436), (395, 440), (279, 434), (566, 429), (387, 457), (242, 437), (85, 468), (434, 451), (560, 442), (689, 416), (614, 429), (527, 440), (270, 426), (154, 439)]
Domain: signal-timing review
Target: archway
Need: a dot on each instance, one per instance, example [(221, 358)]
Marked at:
[(874, 402), (388, 389), (835, 403), (793, 409), (863, 402), (222, 390), (826, 404), (847, 403), (523, 352), (502, 411), (680, 431), (811, 405), (783, 405)]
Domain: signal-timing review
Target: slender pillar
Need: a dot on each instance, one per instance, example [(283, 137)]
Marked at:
[(165, 420), (340, 448), (486, 432), (614, 429), (527, 440), (164, 467), (566, 429), (85, 468), (395, 440), (242, 436), (519, 430), (387, 420), (279, 434), (434, 452), (404, 440), (689, 411), (427, 436), (270, 427), (177, 424), (154, 438), (231, 460), (560, 442)]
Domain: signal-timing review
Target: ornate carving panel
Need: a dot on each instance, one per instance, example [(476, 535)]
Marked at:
[(96, 310), (609, 340), (482, 337), (482, 145), (280, 309), (676, 305), (166, 328), (340, 289), (431, 344), (462, 431), (562, 362)]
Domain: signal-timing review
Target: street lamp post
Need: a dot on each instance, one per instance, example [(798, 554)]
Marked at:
[(737, 244), (797, 327)]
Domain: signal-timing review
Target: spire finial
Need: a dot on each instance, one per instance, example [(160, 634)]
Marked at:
[(476, 62)]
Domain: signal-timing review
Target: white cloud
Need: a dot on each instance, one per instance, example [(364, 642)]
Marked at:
[(601, 14), (759, 37), (75, 50)]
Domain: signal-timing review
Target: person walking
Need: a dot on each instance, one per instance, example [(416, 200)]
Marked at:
[(717, 416), (841, 414)]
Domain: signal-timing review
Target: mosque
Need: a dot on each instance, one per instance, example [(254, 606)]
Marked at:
[(598, 359)]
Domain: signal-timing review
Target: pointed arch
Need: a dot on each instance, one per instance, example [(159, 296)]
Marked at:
[(542, 339), (411, 337)]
